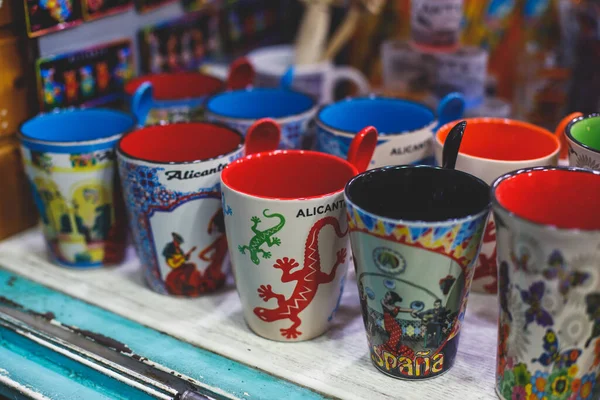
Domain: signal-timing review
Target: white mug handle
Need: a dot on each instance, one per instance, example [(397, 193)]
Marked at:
[(345, 73)]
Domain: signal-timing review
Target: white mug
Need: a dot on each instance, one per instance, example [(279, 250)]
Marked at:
[(318, 80)]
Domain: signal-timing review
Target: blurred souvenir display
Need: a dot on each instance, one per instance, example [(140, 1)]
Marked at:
[(338, 170)]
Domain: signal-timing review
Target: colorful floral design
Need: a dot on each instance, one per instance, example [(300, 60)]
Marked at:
[(546, 303)]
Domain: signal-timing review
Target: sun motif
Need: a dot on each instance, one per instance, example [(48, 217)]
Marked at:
[(585, 161)]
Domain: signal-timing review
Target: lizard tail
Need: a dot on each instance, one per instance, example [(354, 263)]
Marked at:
[(312, 239), (275, 215)]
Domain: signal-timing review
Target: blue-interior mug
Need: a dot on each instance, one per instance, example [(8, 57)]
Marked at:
[(406, 127), (239, 109)]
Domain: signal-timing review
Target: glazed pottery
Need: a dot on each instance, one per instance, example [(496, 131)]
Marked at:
[(179, 97), (492, 147), (415, 236), (171, 184), (70, 163), (239, 109), (583, 135), (318, 80), (548, 232), (406, 128), (286, 226)]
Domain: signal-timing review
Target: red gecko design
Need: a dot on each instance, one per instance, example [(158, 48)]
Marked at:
[(487, 266), (309, 278)]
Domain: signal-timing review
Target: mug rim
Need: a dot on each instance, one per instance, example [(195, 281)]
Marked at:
[(23, 137), (123, 153), (147, 79), (283, 119), (507, 121), (395, 221), (281, 153), (497, 205), (573, 122), (311, 68), (351, 134)]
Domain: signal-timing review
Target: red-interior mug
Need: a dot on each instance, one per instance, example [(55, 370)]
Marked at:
[(171, 184), (285, 219), (180, 97)]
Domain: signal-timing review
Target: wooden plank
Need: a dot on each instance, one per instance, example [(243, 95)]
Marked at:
[(336, 364)]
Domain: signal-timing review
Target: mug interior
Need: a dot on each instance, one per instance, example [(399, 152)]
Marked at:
[(388, 115), (182, 142), (420, 193), (503, 140), (290, 174), (259, 103), (77, 125), (562, 198), (587, 131), (177, 86)]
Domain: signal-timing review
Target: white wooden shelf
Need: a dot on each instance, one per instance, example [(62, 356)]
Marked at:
[(336, 364)]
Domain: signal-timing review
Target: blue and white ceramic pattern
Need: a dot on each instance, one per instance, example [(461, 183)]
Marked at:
[(406, 128), (239, 109)]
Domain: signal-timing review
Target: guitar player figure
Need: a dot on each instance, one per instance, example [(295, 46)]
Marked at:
[(183, 278)]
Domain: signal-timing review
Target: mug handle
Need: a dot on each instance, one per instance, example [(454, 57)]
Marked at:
[(142, 102), (450, 108), (241, 74), (562, 137), (345, 73), (263, 135), (362, 148)]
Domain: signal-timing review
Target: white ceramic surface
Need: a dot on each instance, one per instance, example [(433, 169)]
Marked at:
[(290, 259), (318, 80)]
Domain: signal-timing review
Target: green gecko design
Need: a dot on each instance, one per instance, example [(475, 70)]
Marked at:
[(261, 237)]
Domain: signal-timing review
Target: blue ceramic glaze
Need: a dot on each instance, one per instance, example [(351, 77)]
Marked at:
[(75, 131), (406, 128), (235, 379), (239, 109)]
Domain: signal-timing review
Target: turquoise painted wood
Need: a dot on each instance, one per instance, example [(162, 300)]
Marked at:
[(55, 376), (232, 377)]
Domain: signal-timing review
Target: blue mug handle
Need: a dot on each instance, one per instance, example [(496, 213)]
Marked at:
[(142, 102), (287, 79), (450, 108)]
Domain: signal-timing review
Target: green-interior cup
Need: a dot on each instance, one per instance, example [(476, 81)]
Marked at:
[(586, 131)]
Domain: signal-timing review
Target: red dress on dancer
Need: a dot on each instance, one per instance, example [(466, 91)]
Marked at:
[(394, 330)]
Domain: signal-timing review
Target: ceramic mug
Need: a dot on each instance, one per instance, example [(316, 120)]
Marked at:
[(318, 80), (548, 230), (69, 160), (415, 236), (239, 109), (286, 226), (583, 136), (492, 147), (171, 184), (180, 97), (406, 128)]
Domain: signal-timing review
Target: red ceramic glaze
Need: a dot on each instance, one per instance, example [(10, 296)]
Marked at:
[(263, 135), (362, 148), (299, 174), (241, 74), (177, 86), (182, 142), (502, 139), (563, 198)]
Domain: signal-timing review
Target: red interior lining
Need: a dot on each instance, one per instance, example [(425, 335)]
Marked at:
[(565, 199), (182, 85), (496, 140), (180, 142), (288, 175)]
